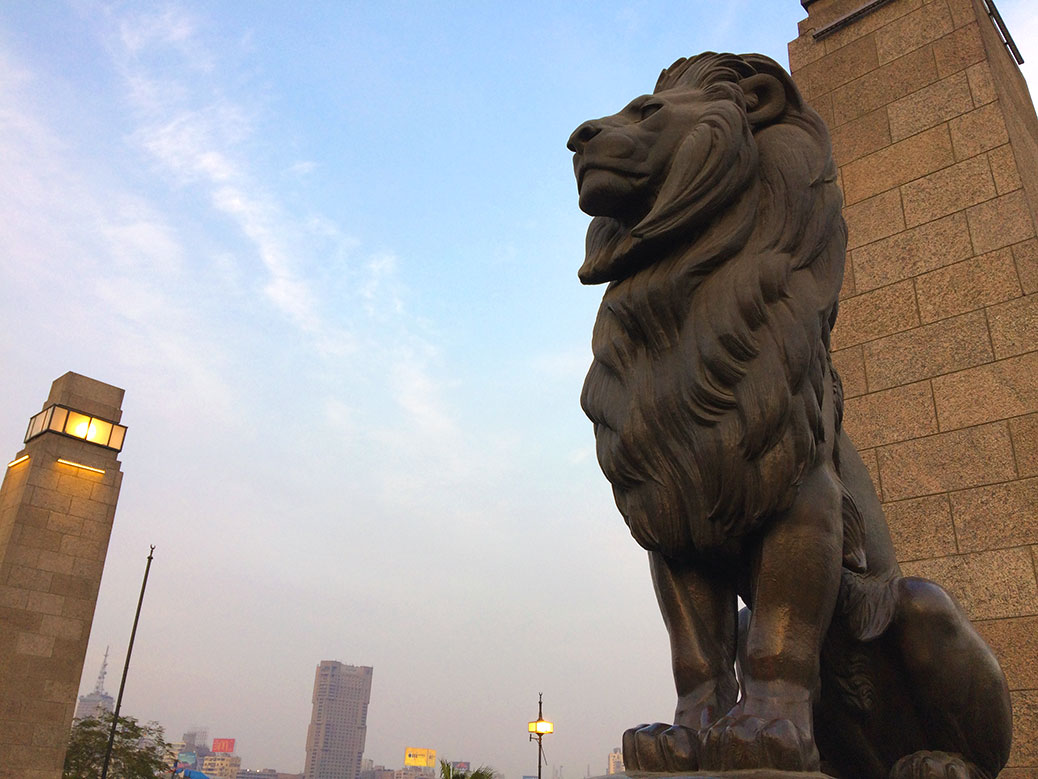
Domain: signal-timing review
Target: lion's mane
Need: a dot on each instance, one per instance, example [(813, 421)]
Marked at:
[(711, 347)]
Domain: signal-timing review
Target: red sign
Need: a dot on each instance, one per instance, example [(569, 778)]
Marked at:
[(223, 744)]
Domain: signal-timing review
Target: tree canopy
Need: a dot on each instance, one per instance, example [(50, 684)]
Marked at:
[(140, 751), (448, 771)]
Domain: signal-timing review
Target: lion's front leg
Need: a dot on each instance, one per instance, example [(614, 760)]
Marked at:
[(699, 610), (793, 589)]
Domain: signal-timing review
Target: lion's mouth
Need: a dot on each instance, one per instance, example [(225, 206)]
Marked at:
[(581, 169)]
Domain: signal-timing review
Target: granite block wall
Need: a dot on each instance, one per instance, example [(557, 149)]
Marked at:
[(937, 338)]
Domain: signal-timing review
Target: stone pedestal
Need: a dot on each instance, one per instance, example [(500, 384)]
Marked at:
[(763, 773), (57, 504)]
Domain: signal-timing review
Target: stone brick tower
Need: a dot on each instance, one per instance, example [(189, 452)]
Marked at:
[(937, 339), (57, 504)]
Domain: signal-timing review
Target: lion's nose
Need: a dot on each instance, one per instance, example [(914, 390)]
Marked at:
[(582, 135)]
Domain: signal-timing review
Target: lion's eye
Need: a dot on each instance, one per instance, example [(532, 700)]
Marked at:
[(649, 109)]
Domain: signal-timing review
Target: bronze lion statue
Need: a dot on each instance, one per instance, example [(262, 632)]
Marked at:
[(717, 413)]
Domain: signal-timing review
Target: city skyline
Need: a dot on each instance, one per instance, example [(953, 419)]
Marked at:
[(330, 253)]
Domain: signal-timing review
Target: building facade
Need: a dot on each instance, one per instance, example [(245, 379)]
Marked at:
[(57, 505), (936, 138), (221, 766), (338, 723), (616, 762)]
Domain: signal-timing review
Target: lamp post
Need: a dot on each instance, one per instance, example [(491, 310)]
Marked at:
[(539, 728), (126, 668)]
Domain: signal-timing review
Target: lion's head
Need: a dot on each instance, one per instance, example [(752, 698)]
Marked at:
[(717, 220), (669, 163)]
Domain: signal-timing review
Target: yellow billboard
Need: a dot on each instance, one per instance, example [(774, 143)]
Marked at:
[(425, 758)]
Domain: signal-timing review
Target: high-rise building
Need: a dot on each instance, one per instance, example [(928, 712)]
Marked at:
[(98, 702), (338, 724), (197, 741), (616, 762)]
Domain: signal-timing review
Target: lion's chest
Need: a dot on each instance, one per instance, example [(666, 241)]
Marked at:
[(641, 388), (670, 433), (659, 446)]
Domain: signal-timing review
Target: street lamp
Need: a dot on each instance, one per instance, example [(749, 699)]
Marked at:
[(77, 424), (539, 728)]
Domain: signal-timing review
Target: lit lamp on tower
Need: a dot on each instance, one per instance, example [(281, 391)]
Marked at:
[(539, 728)]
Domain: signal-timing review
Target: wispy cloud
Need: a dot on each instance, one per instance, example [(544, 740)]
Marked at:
[(196, 135), (91, 260), (139, 33), (302, 168), (139, 238), (417, 393), (201, 136)]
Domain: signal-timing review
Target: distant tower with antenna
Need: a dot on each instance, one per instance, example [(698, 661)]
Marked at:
[(97, 702)]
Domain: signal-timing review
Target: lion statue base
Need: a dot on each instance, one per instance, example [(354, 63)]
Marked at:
[(717, 412), (755, 773)]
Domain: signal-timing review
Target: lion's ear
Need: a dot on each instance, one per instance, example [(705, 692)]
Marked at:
[(765, 98)]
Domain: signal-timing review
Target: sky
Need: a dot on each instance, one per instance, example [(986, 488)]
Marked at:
[(329, 250)]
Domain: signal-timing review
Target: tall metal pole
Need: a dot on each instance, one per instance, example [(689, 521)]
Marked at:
[(126, 667), (540, 748)]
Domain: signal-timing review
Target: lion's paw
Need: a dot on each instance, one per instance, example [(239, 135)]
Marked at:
[(934, 765), (661, 747), (744, 741)]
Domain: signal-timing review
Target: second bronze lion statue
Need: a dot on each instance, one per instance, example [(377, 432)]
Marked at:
[(717, 412)]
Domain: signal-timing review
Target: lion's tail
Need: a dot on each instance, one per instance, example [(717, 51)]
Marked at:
[(854, 558), (867, 601)]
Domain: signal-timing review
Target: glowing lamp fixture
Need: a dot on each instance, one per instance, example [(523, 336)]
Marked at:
[(76, 424), (80, 465), (541, 727), (538, 729)]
